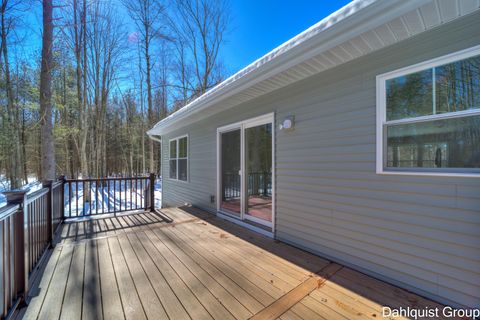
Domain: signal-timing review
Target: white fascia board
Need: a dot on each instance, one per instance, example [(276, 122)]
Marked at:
[(352, 20)]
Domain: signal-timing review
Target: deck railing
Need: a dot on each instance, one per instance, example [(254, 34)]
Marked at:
[(28, 223), (12, 276), (27, 226), (88, 197)]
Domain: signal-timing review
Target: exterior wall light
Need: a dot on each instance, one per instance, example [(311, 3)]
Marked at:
[(288, 123)]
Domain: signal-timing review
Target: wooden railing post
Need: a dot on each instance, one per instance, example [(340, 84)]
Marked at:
[(21, 240), (48, 184), (152, 192), (62, 201)]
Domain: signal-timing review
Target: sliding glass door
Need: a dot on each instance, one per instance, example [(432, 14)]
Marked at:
[(245, 170), (258, 173), (231, 182)]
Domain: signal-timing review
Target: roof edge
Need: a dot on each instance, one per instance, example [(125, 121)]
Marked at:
[(346, 22)]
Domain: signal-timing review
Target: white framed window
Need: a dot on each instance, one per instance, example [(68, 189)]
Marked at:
[(178, 160), (428, 117)]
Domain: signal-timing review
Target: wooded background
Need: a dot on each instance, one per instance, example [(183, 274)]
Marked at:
[(96, 85)]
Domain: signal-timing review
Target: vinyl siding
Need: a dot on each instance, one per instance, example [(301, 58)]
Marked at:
[(418, 232)]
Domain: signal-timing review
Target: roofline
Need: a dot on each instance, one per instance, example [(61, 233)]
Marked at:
[(345, 23)]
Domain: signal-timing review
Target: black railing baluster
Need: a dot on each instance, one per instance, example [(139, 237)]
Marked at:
[(69, 199), (125, 193), (136, 193), (76, 196), (108, 196), (114, 196), (129, 180), (96, 196), (143, 195)]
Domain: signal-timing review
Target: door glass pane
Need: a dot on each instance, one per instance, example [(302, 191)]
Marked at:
[(258, 163), (231, 180)]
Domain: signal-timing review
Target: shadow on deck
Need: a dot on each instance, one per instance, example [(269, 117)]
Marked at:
[(183, 263)]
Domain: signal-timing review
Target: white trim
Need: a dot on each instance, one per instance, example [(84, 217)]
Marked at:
[(258, 220), (242, 125), (381, 120), (438, 116), (177, 142), (245, 225), (445, 59), (430, 174), (231, 214), (260, 120)]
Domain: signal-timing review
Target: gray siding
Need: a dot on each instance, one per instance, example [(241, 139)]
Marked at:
[(419, 232)]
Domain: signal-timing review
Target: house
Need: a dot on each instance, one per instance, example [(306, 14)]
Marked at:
[(357, 140)]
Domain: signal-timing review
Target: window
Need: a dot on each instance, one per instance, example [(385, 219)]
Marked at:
[(179, 158), (428, 117)]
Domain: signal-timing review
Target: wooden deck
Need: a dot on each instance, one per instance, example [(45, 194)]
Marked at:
[(187, 264)]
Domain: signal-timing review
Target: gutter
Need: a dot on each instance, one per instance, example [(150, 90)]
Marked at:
[(154, 137)]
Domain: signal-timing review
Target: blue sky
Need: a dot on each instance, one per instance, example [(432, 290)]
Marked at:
[(259, 26), (256, 27)]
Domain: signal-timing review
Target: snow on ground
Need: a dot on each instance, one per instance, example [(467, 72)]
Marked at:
[(117, 195), (158, 193)]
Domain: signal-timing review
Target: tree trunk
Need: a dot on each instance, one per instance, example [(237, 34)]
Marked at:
[(24, 147), (15, 159), (48, 147), (84, 119), (81, 103), (151, 162)]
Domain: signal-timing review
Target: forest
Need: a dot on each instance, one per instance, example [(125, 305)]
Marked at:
[(81, 81)]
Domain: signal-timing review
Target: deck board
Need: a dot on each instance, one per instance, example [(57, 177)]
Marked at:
[(41, 285), (191, 304), (92, 296), (150, 301), (75, 282), (169, 300), (203, 294), (238, 310), (184, 263), (52, 305), (112, 305), (132, 307)]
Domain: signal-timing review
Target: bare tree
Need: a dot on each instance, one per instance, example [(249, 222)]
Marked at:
[(147, 14), (200, 25), (105, 47), (79, 24), (46, 121), (14, 169)]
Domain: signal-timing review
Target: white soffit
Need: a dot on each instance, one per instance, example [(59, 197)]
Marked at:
[(359, 28)]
